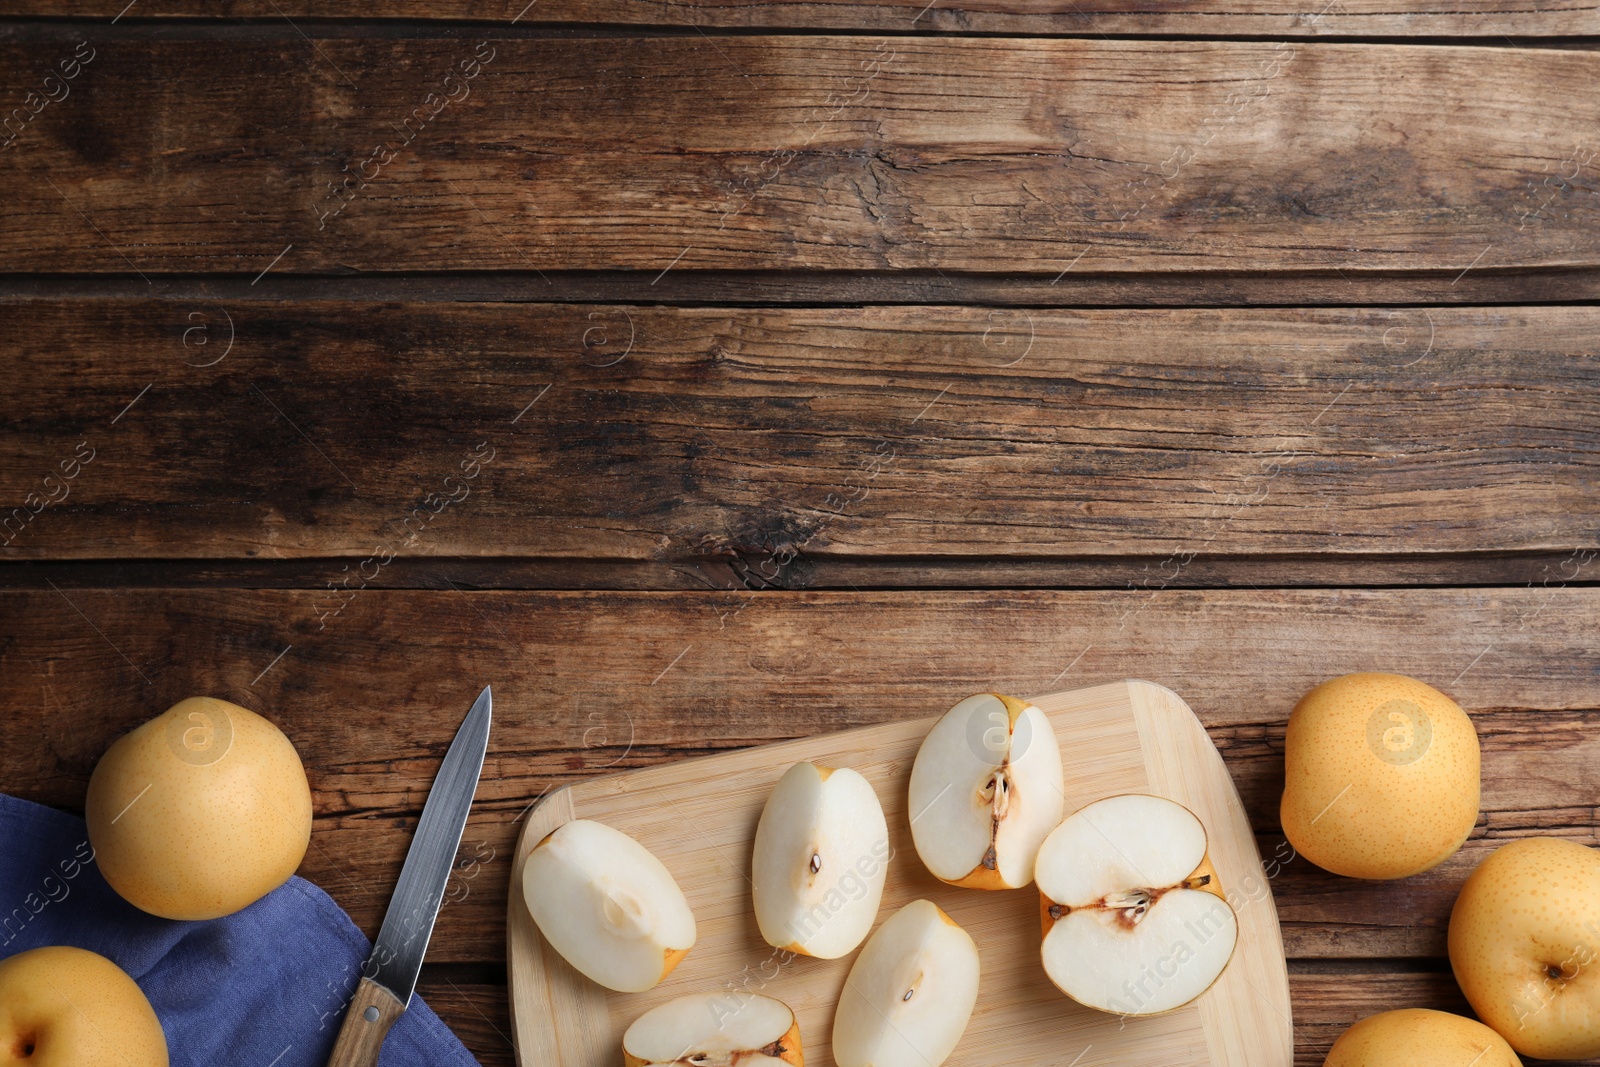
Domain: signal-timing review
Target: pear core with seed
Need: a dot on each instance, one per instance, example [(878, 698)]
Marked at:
[(986, 787)]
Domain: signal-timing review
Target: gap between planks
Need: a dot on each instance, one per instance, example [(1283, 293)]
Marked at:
[(138, 26), (806, 288), (819, 572)]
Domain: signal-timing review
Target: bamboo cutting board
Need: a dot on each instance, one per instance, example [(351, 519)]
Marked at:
[(699, 817)]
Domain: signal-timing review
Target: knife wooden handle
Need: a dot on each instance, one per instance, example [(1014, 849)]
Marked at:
[(372, 1011)]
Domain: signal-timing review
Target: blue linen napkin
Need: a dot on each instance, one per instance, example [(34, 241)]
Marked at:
[(264, 987)]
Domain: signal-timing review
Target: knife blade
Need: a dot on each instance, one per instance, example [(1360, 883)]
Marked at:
[(389, 976)]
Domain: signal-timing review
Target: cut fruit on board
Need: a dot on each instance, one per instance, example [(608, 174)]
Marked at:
[(699, 817), (1135, 920)]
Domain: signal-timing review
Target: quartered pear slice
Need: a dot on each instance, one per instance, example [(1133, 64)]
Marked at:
[(986, 788), (819, 863), (910, 993), (607, 905)]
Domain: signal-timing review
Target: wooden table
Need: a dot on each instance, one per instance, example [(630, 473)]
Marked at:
[(706, 374)]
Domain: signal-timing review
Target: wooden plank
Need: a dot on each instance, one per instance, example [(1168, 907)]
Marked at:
[(590, 682), (1328, 917), (1278, 18), (475, 1010), (657, 153), (766, 439), (1325, 1004)]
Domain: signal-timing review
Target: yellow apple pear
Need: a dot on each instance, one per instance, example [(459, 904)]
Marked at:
[(1525, 946), (200, 812), (67, 1007), (1419, 1037), (1380, 776)]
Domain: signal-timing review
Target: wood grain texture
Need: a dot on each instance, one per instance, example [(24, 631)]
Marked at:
[(594, 682), (1280, 18), (699, 819), (367, 1019), (747, 446), (624, 153), (813, 152)]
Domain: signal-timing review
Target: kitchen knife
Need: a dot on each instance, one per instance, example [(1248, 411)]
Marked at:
[(390, 974)]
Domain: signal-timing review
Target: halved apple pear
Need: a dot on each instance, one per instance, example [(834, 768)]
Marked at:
[(607, 905), (1135, 922), (727, 1029), (820, 859), (910, 993), (986, 788)]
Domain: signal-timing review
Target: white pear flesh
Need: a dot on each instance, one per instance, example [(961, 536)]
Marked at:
[(607, 905), (1134, 919), (986, 789), (820, 859), (725, 1029), (910, 993)]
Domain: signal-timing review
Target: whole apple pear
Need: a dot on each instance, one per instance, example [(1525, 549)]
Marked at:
[(67, 1007), (1380, 776), (1525, 946), (200, 812), (1420, 1037)]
